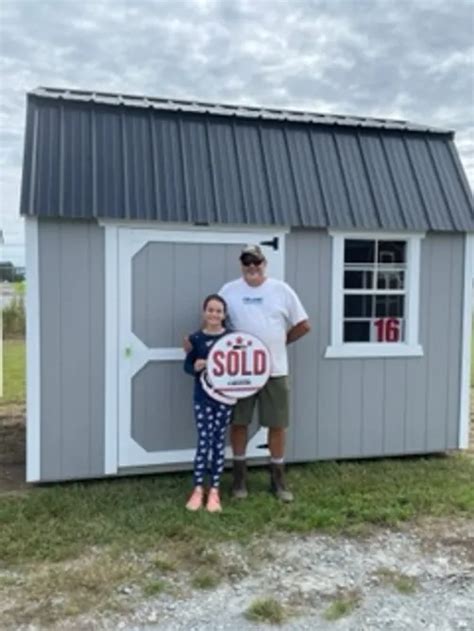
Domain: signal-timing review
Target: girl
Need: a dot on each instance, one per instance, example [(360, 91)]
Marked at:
[(212, 416)]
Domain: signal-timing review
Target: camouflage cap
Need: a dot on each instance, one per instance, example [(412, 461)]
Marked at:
[(254, 251)]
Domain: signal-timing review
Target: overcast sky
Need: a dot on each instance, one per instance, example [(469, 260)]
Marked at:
[(409, 59)]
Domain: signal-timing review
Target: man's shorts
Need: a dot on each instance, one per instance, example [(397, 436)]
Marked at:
[(273, 405)]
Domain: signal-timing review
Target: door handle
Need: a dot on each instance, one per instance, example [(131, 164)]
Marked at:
[(128, 351), (274, 243)]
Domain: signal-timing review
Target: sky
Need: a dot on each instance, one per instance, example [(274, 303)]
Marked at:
[(404, 59)]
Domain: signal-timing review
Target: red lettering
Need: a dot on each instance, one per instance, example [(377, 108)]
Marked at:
[(244, 371), (259, 362), (232, 363), (218, 369)]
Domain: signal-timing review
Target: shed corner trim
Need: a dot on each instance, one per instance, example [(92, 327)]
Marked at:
[(463, 439), (33, 390)]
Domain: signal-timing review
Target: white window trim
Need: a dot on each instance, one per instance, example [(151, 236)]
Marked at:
[(410, 348)]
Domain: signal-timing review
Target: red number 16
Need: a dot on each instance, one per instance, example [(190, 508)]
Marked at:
[(388, 329)]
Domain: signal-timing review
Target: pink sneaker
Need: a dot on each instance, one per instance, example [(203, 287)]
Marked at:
[(214, 501), (195, 501)]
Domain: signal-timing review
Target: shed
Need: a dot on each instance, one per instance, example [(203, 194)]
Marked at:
[(136, 208)]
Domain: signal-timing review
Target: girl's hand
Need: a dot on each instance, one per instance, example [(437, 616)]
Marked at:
[(199, 365)]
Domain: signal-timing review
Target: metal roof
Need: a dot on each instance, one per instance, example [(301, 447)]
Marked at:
[(100, 155)]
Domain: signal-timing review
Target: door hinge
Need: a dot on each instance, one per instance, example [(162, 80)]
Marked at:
[(274, 243)]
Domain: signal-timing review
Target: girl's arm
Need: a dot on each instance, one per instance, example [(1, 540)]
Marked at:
[(189, 362)]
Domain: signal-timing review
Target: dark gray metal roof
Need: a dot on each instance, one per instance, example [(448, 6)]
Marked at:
[(91, 154)]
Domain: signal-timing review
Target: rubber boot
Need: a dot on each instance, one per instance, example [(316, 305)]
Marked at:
[(278, 484), (239, 481)]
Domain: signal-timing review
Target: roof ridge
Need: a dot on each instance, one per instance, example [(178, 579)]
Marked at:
[(228, 109)]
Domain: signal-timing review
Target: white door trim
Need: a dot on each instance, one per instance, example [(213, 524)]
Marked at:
[(118, 392), (463, 439), (33, 348), (111, 350)]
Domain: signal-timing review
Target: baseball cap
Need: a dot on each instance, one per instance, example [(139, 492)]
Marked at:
[(252, 250)]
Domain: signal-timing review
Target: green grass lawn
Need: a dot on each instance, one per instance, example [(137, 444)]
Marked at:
[(13, 372), (60, 521)]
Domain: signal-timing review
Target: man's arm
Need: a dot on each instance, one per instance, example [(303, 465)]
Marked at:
[(298, 331)]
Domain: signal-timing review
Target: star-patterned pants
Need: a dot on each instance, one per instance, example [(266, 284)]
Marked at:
[(212, 419)]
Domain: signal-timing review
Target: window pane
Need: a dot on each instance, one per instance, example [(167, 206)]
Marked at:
[(358, 306), (358, 279), (359, 251), (389, 305), (357, 331), (392, 252), (391, 280)]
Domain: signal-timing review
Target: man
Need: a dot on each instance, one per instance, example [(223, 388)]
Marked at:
[(270, 310)]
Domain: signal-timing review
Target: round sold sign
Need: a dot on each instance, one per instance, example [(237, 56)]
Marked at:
[(238, 365)]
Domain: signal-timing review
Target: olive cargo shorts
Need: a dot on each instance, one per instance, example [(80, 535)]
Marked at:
[(273, 405)]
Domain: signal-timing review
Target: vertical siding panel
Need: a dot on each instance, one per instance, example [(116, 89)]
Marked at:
[(351, 408), (50, 323), (329, 373), (415, 424), (75, 336), (455, 341), (438, 345), (394, 406), (303, 253), (97, 350), (72, 335), (373, 407), (293, 439)]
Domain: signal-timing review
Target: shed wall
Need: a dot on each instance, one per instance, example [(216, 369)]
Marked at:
[(344, 408), (71, 272), (341, 408)]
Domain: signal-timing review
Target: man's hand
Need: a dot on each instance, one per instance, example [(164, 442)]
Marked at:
[(298, 331), (199, 365)]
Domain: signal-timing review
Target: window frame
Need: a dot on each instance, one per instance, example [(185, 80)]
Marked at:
[(411, 347)]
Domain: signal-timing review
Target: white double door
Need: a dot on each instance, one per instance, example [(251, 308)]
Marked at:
[(162, 278)]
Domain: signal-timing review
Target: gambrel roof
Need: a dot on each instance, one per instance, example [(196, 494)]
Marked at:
[(101, 155)]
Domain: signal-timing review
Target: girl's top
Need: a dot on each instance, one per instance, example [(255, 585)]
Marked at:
[(202, 344)]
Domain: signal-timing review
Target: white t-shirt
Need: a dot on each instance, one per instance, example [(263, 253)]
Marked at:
[(268, 312)]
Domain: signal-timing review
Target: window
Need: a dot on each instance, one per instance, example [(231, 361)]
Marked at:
[(375, 295)]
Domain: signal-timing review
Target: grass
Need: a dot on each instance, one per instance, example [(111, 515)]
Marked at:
[(14, 372), (401, 582), (47, 592), (205, 580), (342, 605), (59, 521), (154, 587), (472, 355), (266, 610)]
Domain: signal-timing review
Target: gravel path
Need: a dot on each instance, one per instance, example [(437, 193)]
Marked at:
[(306, 574)]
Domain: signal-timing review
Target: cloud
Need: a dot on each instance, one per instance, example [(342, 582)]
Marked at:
[(410, 60)]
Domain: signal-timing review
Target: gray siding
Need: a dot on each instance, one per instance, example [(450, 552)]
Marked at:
[(341, 408), (71, 270), (351, 407)]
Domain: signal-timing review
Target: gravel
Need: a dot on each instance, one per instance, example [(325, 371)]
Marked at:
[(421, 577), (307, 573)]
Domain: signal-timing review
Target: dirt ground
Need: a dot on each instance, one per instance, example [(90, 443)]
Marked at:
[(12, 446), (12, 449)]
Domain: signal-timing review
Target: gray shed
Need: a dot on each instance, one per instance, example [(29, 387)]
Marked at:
[(137, 207)]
